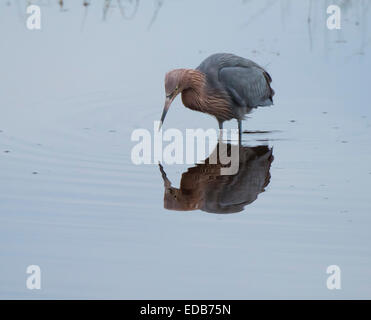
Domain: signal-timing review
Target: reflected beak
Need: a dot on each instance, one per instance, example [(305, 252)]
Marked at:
[(167, 183), (168, 102)]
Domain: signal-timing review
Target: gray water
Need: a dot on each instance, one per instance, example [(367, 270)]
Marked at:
[(72, 201)]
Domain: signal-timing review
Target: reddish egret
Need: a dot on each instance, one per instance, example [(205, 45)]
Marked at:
[(224, 85)]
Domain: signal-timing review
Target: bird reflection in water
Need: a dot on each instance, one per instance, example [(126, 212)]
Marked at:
[(204, 188)]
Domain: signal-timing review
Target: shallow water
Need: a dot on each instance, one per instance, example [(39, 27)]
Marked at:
[(72, 201)]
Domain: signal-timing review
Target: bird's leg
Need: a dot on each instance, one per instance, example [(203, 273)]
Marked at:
[(220, 124), (220, 129), (239, 131)]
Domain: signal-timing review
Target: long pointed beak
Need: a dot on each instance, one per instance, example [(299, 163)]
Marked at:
[(168, 102)]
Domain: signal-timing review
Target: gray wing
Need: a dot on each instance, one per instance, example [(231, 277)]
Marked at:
[(247, 83), (247, 86), (213, 63)]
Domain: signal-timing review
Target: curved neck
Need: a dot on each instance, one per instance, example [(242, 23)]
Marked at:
[(197, 96), (193, 79)]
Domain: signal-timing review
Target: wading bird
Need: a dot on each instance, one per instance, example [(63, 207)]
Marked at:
[(224, 85)]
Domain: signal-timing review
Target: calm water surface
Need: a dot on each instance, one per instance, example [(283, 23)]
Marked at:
[(72, 201)]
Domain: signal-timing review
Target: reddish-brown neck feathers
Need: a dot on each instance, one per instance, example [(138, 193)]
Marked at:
[(197, 96), (184, 79), (193, 79)]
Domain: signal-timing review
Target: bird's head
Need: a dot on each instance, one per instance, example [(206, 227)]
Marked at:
[(173, 86)]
